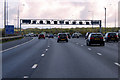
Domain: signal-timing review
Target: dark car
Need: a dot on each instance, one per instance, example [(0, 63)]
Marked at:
[(69, 36), (41, 36), (95, 38), (111, 36), (87, 34), (62, 37), (75, 36), (51, 36)]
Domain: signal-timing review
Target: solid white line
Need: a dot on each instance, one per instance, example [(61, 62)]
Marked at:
[(117, 64), (43, 55), (89, 49), (26, 77), (99, 54), (34, 66), (16, 46)]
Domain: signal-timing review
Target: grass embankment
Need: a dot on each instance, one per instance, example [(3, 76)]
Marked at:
[(12, 39)]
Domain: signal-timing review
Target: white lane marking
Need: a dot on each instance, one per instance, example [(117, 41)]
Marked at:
[(77, 43), (43, 55), (99, 54), (117, 64), (26, 77), (34, 66), (81, 45), (48, 46), (16, 46), (46, 50), (89, 49)]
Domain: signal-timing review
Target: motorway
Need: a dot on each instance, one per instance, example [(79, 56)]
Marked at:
[(49, 59)]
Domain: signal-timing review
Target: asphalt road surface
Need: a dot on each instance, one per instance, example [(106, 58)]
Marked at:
[(49, 59)]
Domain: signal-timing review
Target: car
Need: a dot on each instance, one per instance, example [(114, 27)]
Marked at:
[(95, 38), (74, 35), (62, 37), (41, 36), (69, 36), (118, 35), (51, 36), (111, 36), (87, 34)]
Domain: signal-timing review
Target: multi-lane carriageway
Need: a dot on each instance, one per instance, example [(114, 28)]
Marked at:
[(34, 58)]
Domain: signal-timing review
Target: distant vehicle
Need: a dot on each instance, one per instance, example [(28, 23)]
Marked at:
[(87, 34), (62, 37), (95, 38), (118, 35), (69, 36), (74, 35), (79, 34), (41, 36), (51, 36), (111, 36)]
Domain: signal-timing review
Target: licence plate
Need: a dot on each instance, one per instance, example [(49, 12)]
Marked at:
[(97, 38), (112, 38), (62, 39)]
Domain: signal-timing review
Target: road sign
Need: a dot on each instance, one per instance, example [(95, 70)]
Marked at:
[(9, 29)]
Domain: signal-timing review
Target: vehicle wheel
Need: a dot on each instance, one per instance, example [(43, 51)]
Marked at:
[(87, 44), (103, 44), (66, 40), (106, 40)]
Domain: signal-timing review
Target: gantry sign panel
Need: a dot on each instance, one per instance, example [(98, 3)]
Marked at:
[(59, 22)]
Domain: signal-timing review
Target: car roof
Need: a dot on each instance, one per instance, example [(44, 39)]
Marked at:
[(111, 32), (61, 33), (95, 33)]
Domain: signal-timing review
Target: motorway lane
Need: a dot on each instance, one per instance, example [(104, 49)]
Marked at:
[(61, 60), (67, 60), (110, 50), (17, 62)]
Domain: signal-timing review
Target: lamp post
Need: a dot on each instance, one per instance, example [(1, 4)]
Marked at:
[(5, 16), (18, 15), (92, 17), (105, 20)]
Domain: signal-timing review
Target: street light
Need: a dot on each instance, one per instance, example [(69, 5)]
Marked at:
[(19, 16), (105, 20), (92, 17)]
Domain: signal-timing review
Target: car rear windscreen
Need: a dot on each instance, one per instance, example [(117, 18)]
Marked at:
[(112, 34), (62, 35), (96, 35)]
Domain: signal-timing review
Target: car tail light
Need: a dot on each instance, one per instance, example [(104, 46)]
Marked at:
[(92, 38), (58, 36), (116, 36), (101, 37), (66, 36), (108, 35)]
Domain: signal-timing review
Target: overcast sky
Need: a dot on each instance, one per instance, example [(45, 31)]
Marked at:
[(61, 9)]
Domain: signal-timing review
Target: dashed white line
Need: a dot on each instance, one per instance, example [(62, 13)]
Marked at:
[(46, 49), (16, 46), (77, 43), (48, 46), (34, 66), (99, 54), (26, 77), (81, 45), (117, 64), (89, 49), (43, 55)]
